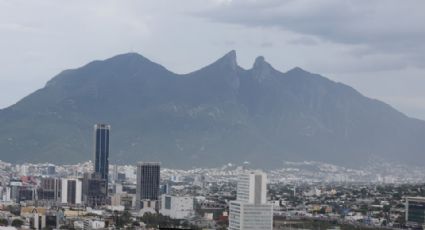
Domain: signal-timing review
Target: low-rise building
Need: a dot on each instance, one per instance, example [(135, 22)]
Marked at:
[(177, 207)]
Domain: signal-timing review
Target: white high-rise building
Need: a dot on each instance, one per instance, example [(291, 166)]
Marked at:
[(5, 194), (250, 209), (71, 193)]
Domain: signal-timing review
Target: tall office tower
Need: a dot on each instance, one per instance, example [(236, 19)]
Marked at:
[(250, 210), (101, 150), (148, 178)]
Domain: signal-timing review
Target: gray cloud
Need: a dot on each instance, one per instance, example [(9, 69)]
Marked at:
[(305, 40), (266, 44), (381, 26)]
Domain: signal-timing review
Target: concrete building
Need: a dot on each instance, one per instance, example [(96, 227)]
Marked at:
[(71, 193), (14, 185), (94, 190), (415, 211), (250, 210), (6, 194), (199, 181), (123, 199), (148, 179), (39, 217), (177, 207), (94, 224), (50, 189), (38, 221), (148, 206), (50, 170)]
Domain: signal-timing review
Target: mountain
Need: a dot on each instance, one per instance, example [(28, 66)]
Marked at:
[(220, 113)]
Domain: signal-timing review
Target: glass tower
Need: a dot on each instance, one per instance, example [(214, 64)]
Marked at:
[(101, 150)]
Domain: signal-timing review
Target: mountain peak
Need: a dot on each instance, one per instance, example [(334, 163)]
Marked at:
[(231, 55), (128, 57), (260, 62), (228, 60), (298, 70), (262, 69), (128, 63)]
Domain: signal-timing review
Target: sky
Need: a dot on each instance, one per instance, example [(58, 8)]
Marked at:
[(375, 46)]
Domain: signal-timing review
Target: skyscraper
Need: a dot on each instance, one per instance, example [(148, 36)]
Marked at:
[(101, 150), (148, 178), (250, 210)]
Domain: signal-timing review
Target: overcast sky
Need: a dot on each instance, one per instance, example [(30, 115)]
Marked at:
[(375, 46)]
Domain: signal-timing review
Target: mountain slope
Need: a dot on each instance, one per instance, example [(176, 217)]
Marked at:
[(220, 113)]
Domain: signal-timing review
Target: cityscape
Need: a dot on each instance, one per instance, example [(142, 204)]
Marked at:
[(212, 115), (100, 195)]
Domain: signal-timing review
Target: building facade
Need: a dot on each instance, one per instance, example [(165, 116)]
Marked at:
[(250, 209), (177, 207), (148, 179), (415, 211), (50, 189), (94, 190), (101, 149), (71, 192)]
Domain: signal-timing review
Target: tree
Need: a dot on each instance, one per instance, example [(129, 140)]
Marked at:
[(4, 222), (154, 220), (364, 209), (15, 209), (17, 223), (387, 208), (123, 219)]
